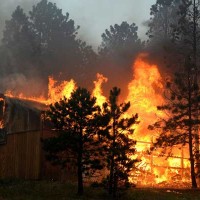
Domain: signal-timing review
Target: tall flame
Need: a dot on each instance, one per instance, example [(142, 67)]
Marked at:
[(98, 92), (145, 94)]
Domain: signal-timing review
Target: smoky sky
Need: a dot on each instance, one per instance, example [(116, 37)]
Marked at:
[(8, 6), (93, 16)]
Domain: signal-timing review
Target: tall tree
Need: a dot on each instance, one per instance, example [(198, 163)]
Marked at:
[(185, 90), (120, 40), (55, 34), (76, 119), (119, 146), (120, 45), (190, 21), (164, 16), (179, 127), (41, 43), (186, 37), (162, 32), (18, 41)]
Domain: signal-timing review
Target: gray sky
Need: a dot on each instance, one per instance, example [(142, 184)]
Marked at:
[(93, 16)]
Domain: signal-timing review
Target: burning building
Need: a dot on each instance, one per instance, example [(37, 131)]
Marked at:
[(21, 130), (20, 134)]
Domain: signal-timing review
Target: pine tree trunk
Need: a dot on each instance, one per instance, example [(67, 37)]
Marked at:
[(195, 18), (115, 186), (112, 170), (111, 175), (80, 173), (192, 170)]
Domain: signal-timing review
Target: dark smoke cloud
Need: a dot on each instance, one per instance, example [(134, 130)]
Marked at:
[(94, 18), (18, 82)]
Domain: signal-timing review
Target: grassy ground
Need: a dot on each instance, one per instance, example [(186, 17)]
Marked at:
[(43, 190)]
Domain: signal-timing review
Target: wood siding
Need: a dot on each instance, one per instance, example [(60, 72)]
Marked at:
[(20, 157)]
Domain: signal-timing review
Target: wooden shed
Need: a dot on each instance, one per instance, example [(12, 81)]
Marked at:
[(22, 127), (20, 133)]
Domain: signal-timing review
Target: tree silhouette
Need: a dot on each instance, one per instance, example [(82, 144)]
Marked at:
[(119, 147), (120, 45), (18, 41), (44, 42), (77, 121), (179, 128), (164, 16), (55, 35), (183, 49)]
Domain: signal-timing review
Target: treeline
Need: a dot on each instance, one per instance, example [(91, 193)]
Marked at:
[(44, 42)]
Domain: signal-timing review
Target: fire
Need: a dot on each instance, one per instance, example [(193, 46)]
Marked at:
[(40, 99), (145, 94), (97, 92), (58, 91), (2, 111)]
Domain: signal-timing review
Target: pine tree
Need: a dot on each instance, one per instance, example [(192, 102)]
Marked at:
[(76, 121), (18, 42), (119, 147), (163, 18), (119, 47), (179, 128)]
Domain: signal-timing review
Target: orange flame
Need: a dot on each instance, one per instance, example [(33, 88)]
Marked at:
[(58, 91), (97, 92), (145, 94)]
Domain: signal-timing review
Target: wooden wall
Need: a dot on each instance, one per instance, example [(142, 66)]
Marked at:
[(20, 157)]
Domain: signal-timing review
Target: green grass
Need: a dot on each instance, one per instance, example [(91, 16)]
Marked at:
[(44, 190)]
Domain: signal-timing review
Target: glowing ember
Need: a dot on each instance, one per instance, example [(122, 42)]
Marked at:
[(1, 124)]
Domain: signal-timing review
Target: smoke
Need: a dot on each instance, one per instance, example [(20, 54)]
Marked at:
[(94, 18), (8, 6), (98, 15), (95, 15), (18, 82)]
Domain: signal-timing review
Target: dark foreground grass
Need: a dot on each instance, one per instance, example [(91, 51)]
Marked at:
[(43, 190)]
